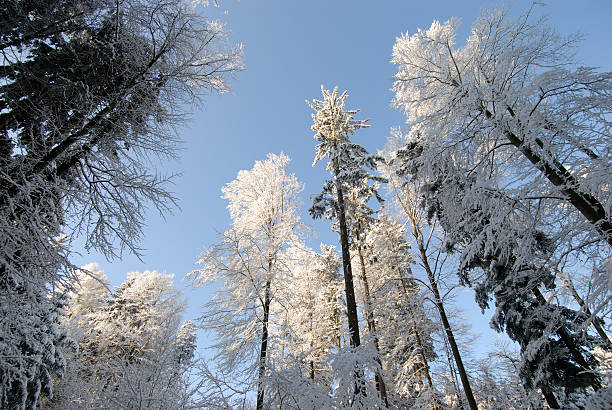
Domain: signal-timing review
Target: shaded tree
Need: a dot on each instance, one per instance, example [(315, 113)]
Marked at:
[(90, 91)]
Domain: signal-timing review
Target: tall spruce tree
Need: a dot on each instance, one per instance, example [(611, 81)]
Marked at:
[(349, 164)]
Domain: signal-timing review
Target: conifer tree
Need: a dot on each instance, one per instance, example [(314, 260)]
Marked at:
[(348, 164)]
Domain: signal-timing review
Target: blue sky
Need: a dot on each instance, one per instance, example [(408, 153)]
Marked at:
[(290, 49)]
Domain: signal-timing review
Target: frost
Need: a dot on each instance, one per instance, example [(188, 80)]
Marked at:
[(508, 145)]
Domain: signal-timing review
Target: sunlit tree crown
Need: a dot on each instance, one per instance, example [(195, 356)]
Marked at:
[(332, 123)]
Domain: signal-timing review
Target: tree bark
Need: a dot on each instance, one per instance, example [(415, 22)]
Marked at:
[(595, 321), (574, 351), (550, 398), (349, 288), (419, 341)]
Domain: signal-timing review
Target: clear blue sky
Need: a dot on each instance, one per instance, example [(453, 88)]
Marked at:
[(290, 49)]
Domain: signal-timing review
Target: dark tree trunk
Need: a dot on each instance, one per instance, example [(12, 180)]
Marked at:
[(551, 400), (448, 330), (571, 346), (264, 346), (349, 288), (380, 381), (560, 177)]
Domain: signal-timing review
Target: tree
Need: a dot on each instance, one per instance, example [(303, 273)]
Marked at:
[(511, 99), (513, 110), (90, 90), (510, 144), (307, 330), (348, 163), (360, 218), (497, 385), (404, 330), (248, 260), (432, 260), (554, 346), (310, 326), (131, 351)]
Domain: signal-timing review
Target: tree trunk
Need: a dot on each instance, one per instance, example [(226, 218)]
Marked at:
[(453, 371), (311, 372), (560, 177), (264, 346), (380, 382), (418, 339), (349, 289), (551, 400), (440, 306), (337, 329), (595, 321), (447, 328)]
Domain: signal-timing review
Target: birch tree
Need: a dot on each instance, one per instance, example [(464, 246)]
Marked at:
[(248, 261)]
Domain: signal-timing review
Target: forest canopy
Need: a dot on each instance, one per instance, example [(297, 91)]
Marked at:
[(494, 191)]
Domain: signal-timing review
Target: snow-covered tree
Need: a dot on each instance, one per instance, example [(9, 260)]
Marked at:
[(403, 329), (510, 143), (521, 121), (306, 330), (350, 165), (90, 90), (248, 261), (513, 100), (308, 312), (431, 254), (360, 217), (497, 384), (131, 351)]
